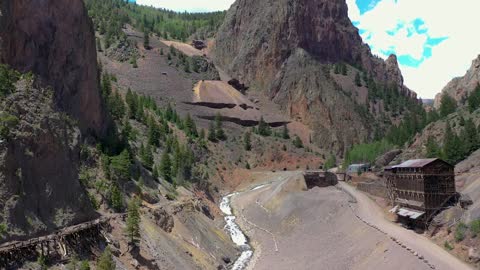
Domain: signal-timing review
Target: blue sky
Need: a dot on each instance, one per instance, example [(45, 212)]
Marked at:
[(434, 40)]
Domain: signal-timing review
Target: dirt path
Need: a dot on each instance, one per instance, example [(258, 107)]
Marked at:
[(367, 210)]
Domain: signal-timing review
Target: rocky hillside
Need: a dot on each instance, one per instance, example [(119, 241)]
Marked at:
[(60, 49), (459, 88), (287, 50), (47, 114)]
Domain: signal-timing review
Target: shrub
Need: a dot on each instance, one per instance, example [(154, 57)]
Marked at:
[(447, 245), (475, 227), (460, 232)]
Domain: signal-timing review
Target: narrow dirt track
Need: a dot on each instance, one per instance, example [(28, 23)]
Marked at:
[(367, 210)]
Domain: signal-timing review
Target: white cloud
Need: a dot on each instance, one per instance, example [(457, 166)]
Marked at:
[(455, 20), (189, 5)]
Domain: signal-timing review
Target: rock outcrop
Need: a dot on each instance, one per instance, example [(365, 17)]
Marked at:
[(39, 187), (55, 40), (286, 47), (460, 87)]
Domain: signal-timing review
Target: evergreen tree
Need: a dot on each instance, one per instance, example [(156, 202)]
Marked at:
[(153, 133), (297, 142), (106, 86), (190, 127), (358, 81), (448, 105), (133, 221), (106, 262), (264, 128), (166, 167), (211, 132), (116, 199), (120, 165), (131, 101), (155, 172), (474, 99), (285, 133), (247, 141), (336, 69), (344, 69), (146, 40), (451, 146), (116, 106), (470, 137), (432, 148), (147, 157), (219, 132), (161, 51)]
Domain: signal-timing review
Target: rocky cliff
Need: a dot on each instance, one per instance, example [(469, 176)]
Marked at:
[(460, 87), (55, 40), (39, 187), (45, 116), (286, 48)]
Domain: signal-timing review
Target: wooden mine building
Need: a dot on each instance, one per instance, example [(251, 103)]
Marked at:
[(419, 189)]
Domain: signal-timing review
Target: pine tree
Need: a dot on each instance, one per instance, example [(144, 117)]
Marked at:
[(344, 69), (106, 262), (330, 163), (358, 81), (146, 40), (451, 146), (84, 265), (470, 138), (131, 103), (211, 132), (297, 142), (120, 165), (448, 105), (264, 128), (161, 51), (106, 86), (432, 148), (133, 221), (190, 127), (285, 133), (166, 167), (153, 133), (474, 99), (336, 69), (147, 157), (247, 141), (219, 132), (116, 199)]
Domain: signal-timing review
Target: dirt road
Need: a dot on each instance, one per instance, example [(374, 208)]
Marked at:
[(372, 213)]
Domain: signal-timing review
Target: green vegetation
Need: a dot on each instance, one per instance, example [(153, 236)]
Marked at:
[(358, 80), (285, 133), (8, 77), (297, 142), (367, 153), (474, 99), (460, 232), (264, 128), (7, 122), (331, 162), (219, 132), (447, 245), (433, 149), (110, 16), (133, 221), (106, 262), (448, 105), (340, 68), (247, 141), (84, 265), (166, 167), (3, 229), (475, 227)]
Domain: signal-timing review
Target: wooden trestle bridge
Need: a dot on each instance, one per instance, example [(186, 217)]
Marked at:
[(56, 245)]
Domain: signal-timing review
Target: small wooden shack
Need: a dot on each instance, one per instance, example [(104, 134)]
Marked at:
[(419, 189)]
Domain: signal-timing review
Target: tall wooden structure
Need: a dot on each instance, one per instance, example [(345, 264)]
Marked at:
[(419, 189)]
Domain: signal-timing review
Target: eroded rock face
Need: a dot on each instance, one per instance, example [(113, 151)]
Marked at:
[(39, 187), (55, 40), (459, 88), (285, 47)]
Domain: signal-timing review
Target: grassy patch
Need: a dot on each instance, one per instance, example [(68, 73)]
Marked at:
[(460, 232)]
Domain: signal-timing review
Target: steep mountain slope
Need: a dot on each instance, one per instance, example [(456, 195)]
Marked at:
[(55, 40), (459, 88), (46, 115), (286, 48)]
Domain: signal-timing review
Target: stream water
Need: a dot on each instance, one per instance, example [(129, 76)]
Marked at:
[(238, 237)]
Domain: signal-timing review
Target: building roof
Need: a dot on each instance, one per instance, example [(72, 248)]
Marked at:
[(410, 213), (417, 163)]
